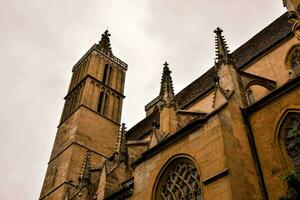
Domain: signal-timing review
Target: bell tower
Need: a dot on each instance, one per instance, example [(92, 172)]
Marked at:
[(90, 120)]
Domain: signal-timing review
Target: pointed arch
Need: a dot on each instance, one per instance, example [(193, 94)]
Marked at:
[(106, 104), (179, 178), (262, 83), (100, 102), (105, 73), (287, 136)]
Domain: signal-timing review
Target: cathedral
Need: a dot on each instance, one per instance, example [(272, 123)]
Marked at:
[(231, 134)]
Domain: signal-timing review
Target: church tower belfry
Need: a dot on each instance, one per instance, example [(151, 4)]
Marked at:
[(90, 120), (107, 73)]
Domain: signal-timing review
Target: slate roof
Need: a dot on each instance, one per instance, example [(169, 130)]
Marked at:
[(273, 34)]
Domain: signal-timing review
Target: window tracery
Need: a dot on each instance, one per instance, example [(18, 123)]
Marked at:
[(180, 180)]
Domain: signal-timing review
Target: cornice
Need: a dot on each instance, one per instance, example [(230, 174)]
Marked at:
[(81, 105), (114, 59), (98, 81)]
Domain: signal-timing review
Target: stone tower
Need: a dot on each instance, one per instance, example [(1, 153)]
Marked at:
[(90, 120)]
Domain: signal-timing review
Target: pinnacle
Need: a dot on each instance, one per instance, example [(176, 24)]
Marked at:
[(166, 65), (222, 50), (121, 148), (218, 30), (106, 33), (104, 43), (121, 137), (166, 89), (85, 171)]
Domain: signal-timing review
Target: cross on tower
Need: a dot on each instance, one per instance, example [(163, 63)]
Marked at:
[(166, 64), (106, 34), (123, 128), (218, 30)]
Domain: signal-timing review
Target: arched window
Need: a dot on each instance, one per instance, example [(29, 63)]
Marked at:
[(100, 102), (117, 109), (111, 76), (106, 73), (106, 104), (179, 180), (290, 131)]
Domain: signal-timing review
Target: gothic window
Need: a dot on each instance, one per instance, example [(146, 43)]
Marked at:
[(117, 108), (290, 130), (100, 101), (179, 180), (122, 81), (118, 72), (294, 60), (106, 104), (114, 107), (110, 76), (105, 73)]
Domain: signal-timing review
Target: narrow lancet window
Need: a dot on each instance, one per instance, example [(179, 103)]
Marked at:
[(110, 76), (106, 104), (100, 102), (105, 73)]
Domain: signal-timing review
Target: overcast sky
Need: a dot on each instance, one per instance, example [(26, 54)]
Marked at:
[(41, 40)]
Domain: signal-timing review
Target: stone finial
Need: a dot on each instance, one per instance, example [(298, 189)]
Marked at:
[(166, 87), (121, 147), (222, 51), (104, 44), (85, 175), (293, 7)]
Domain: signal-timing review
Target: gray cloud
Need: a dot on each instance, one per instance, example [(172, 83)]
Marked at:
[(42, 40)]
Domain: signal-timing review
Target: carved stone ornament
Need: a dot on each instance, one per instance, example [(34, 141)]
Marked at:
[(166, 88), (294, 17), (295, 60), (104, 44), (180, 180)]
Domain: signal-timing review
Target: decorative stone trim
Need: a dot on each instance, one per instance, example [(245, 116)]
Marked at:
[(215, 177)]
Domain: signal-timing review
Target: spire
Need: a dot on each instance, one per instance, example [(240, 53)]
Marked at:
[(121, 148), (104, 44), (222, 51), (84, 178), (166, 87)]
